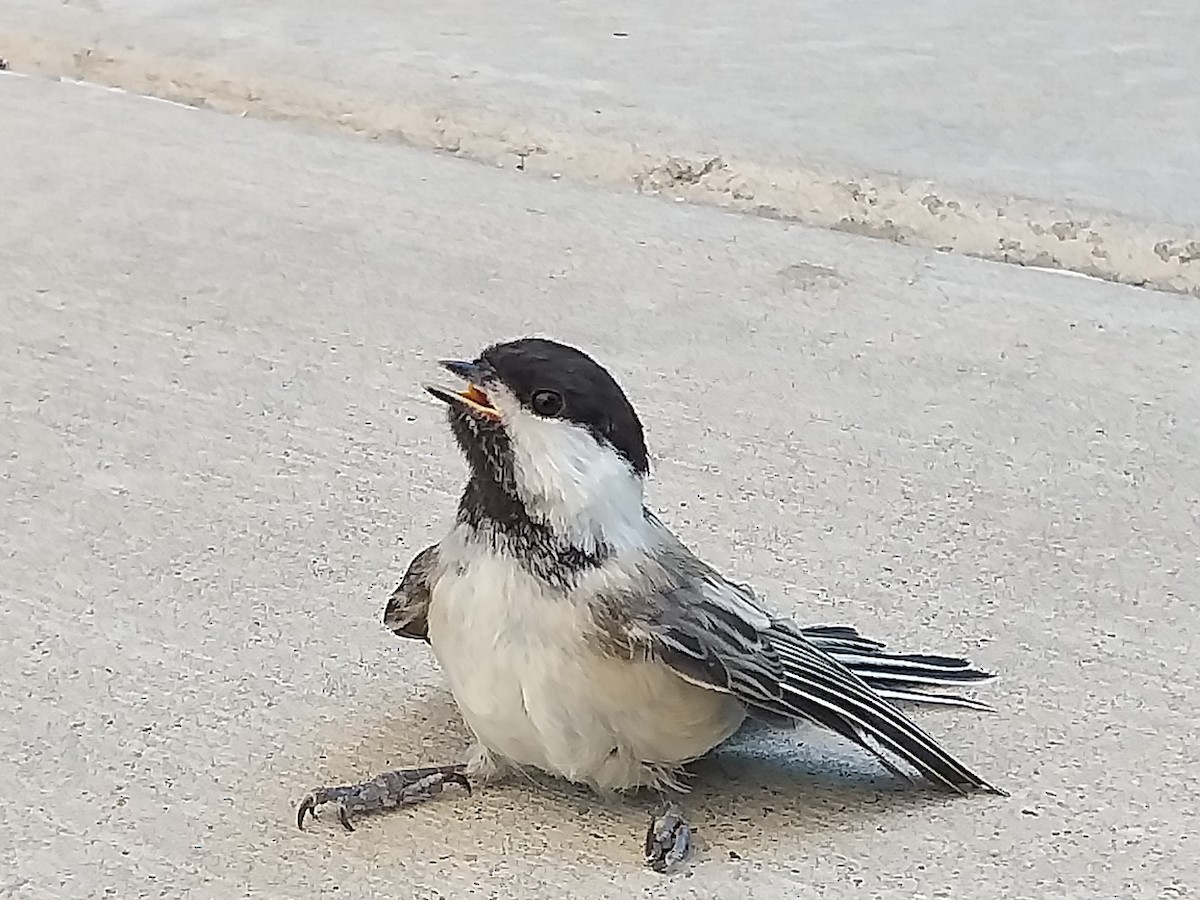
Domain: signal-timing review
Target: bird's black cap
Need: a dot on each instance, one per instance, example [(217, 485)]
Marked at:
[(556, 381)]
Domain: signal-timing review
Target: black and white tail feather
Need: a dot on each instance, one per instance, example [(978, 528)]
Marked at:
[(813, 686), (904, 677)]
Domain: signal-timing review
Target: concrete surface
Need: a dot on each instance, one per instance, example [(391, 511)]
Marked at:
[(1063, 135), (218, 460)]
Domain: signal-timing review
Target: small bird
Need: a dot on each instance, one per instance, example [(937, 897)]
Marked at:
[(580, 637)]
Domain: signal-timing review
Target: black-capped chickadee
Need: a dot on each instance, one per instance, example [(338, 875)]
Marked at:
[(579, 636)]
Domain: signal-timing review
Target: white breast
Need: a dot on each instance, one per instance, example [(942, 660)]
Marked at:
[(536, 694)]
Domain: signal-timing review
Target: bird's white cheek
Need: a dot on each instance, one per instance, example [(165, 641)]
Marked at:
[(580, 487)]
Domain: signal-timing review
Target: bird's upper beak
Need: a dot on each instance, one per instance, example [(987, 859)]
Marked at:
[(473, 399)]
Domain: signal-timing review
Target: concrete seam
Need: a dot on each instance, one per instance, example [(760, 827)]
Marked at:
[(920, 213)]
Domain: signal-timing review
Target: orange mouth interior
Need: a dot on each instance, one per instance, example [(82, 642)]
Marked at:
[(479, 401), (476, 396)]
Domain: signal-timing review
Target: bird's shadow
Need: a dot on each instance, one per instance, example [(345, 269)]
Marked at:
[(763, 790), (770, 786)]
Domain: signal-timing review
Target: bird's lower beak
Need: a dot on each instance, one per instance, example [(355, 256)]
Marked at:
[(474, 399)]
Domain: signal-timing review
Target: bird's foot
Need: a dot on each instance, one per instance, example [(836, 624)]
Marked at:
[(668, 839), (403, 787)]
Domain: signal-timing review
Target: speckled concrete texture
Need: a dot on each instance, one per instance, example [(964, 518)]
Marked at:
[(1056, 135), (218, 459)]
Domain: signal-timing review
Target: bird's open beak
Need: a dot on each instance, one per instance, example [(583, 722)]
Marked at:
[(473, 398)]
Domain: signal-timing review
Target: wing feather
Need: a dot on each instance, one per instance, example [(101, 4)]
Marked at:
[(714, 632), (407, 610)]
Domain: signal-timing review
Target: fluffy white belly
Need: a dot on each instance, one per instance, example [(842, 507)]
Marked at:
[(535, 694)]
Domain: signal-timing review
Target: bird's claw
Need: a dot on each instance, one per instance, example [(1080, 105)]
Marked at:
[(403, 787), (319, 797), (668, 839)]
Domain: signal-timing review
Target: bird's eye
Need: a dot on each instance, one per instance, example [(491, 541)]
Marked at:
[(547, 403)]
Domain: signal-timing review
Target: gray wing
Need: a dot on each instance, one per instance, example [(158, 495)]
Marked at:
[(714, 633), (407, 610)]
